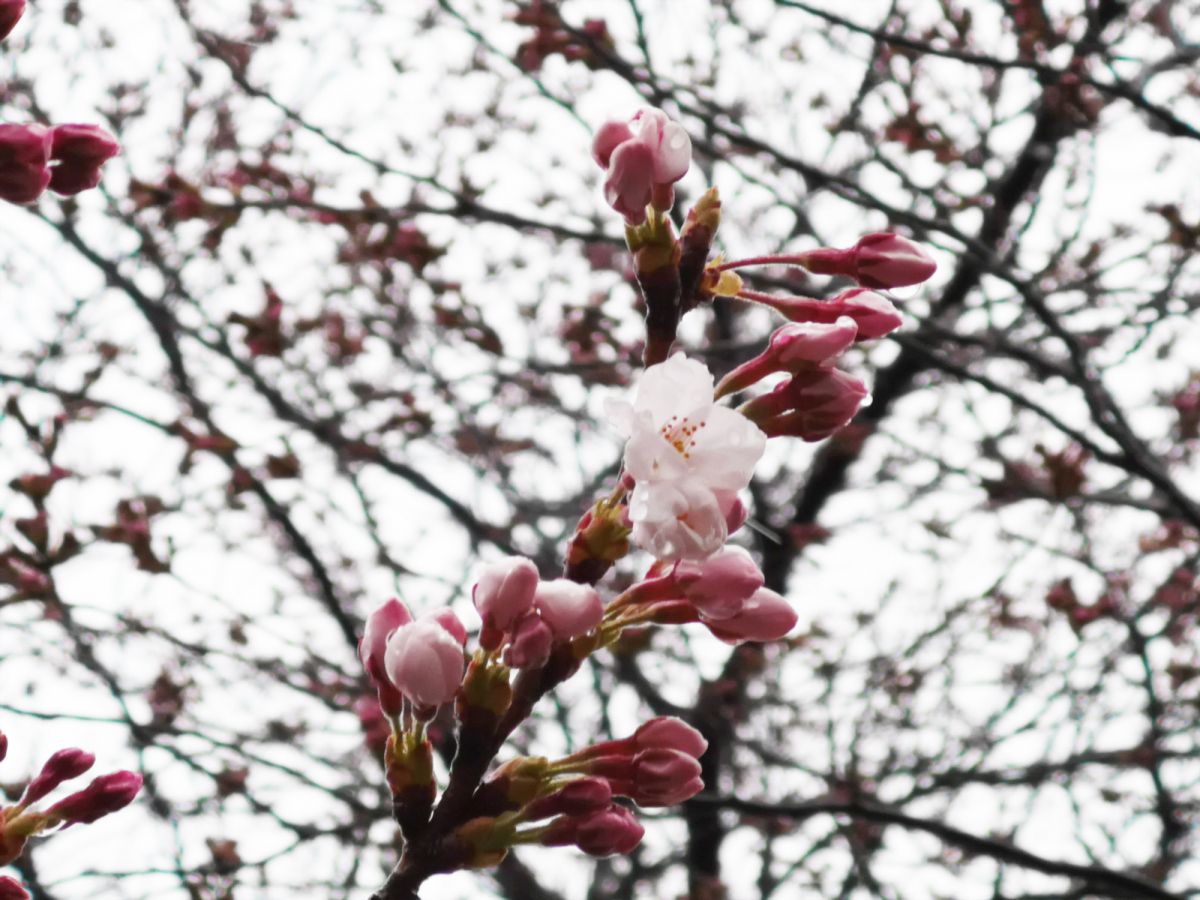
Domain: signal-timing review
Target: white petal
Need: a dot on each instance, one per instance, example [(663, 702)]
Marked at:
[(677, 384), (727, 450)]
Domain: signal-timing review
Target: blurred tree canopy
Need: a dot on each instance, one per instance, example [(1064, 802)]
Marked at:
[(339, 323)]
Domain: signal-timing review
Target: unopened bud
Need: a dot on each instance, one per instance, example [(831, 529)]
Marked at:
[(24, 161), (80, 151), (580, 797), (104, 795), (62, 766), (10, 13), (766, 617), (10, 889)]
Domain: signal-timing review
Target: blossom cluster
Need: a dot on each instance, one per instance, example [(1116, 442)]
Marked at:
[(688, 457), (21, 821), (64, 158)]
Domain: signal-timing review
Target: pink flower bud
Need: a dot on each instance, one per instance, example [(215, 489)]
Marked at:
[(10, 13), (720, 585), (10, 889), (612, 830), (504, 592), (886, 260), (642, 167), (580, 797), (670, 733), (371, 649), (668, 142), (630, 181), (820, 406), (425, 662), (796, 347), (765, 617), (873, 313), (24, 161), (799, 345), (62, 766), (530, 645), (733, 509), (664, 777), (80, 151), (608, 137), (448, 619), (104, 795), (569, 609)]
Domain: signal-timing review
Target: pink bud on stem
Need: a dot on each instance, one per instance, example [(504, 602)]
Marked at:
[(882, 261), (104, 795), (531, 643), (502, 595), (874, 314), (24, 161), (643, 158), (796, 347), (580, 797), (570, 609), (80, 151), (62, 766), (605, 833), (766, 617), (424, 660), (381, 624)]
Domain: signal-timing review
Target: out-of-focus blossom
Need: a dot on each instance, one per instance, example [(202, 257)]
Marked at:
[(24, 162), (78, 152), (10, 14)]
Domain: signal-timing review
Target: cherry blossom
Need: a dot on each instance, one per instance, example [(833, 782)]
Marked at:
[(425, 662), (643, 158), (688, 457)]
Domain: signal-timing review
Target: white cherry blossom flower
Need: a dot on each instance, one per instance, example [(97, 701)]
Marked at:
[(688, 456)]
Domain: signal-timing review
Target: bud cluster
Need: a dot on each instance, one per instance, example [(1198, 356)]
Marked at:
[(64, 158), (688, 457), (20, 821)]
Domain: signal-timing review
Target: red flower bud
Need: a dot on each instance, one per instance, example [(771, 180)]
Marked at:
[(10, 13), (668, 732), (580, 797), (10, 889), (613, 830), (80, 151), (887, 260), (62, 766), (104, 795), (24, 161)]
